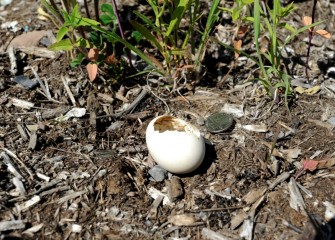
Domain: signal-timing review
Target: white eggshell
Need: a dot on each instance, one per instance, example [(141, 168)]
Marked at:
[(174, 144)]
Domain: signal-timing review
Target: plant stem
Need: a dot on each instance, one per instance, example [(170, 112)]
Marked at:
[(116, 12), (310, 37), (86, 9), (96, 9)]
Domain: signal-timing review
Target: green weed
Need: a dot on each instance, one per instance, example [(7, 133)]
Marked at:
[(266, 20)]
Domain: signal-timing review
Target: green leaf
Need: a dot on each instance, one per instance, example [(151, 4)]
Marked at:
[(61, 33), (75, 14), (287, 27), (211, 19), (107, 8), (106, 19), (249, 19), (147, 21), (142, 55), (299, 31), (246, 2), (226, 9), (64, 45), (87, 22), (137, 36), (177, 15), (147, 34), (83, 43), (235, 14), (257, 24), (77, 60)]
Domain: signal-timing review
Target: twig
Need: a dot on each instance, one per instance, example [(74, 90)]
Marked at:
[(130, 107), (11, 154), (45, 90), (148, 86), (45, 87), (68, 90), (12, 59)]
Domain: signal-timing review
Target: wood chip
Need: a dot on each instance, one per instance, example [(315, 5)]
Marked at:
[(30, 231), (182, 220), (22, 103), (32, 141), (281, 178), (56, 112), (39, 52), (253, 195), (31, 202), (22, 132), (175, 189), (206, 233), (296, 199), (12, 225), (154, 207), (71, 196), (19, 185)]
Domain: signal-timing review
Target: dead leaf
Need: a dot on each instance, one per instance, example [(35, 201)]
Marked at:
[(291, 154), (323, 33), (309, 91), (237, 46), (312, 165), (322, 124), (307, 21), (309, 165), (242, 31), (92, 70), (28, 39), (111, 59), (327, 163), (154, 60), (93, 54)]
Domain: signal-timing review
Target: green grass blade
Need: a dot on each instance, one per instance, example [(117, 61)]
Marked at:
[(257, 24), (146, 20), (211, 19), (300, 30), (147, 34), (177, 16), (141, 54)]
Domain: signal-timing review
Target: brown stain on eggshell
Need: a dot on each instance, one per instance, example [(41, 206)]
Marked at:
[(169, 123)]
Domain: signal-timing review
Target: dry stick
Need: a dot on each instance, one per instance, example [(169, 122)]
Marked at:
[(19, 162), (12, 59), (310, 37), (130, 107), (45, 88), (68, 90)]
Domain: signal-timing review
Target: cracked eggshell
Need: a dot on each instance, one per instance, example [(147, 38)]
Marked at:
[(174, 144)]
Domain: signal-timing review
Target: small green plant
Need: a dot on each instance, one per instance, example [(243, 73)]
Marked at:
[(266, 20), (176, 46), (97, 40), (273, 77), (311, 32)]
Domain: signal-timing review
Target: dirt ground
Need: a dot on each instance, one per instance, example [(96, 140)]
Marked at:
[(87, 176)]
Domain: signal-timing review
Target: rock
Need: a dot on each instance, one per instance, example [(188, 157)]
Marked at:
[(157, 174)]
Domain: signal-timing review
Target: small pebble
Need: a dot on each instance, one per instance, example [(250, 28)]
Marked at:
[(157, 174), (331, 120), (25, 82)]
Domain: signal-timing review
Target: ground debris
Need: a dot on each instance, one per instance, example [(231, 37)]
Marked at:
[(12, 225)]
